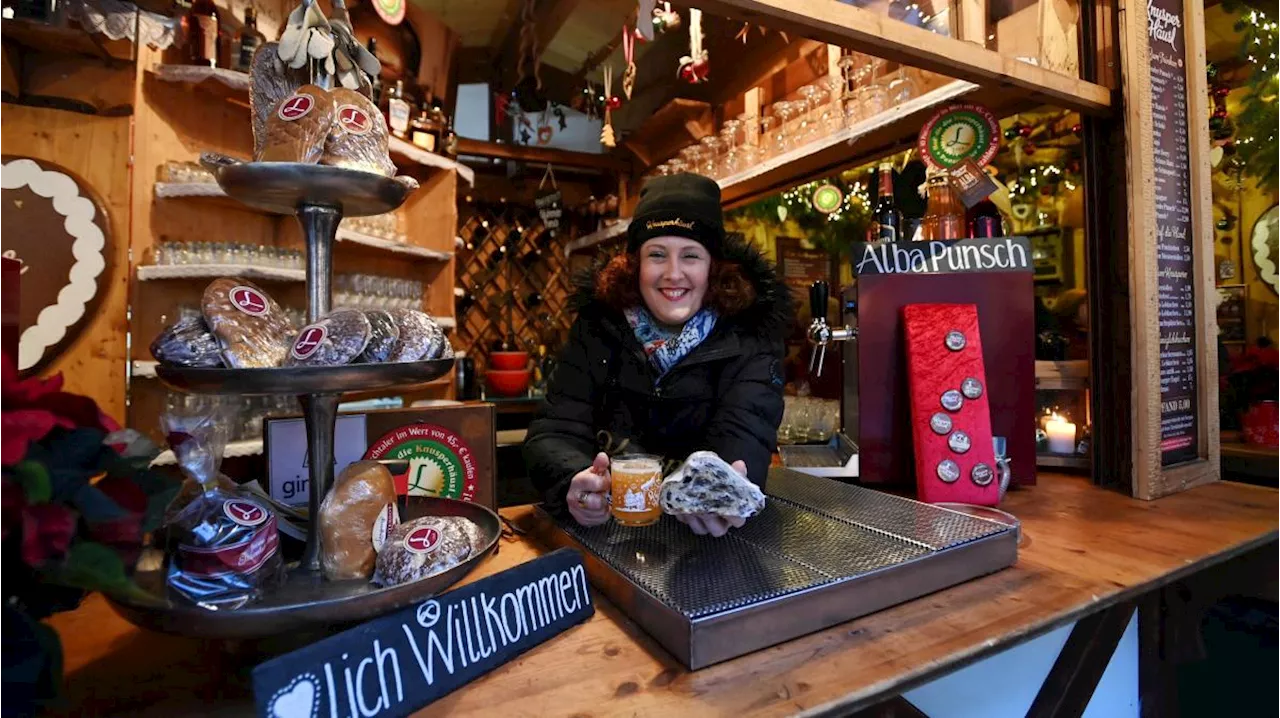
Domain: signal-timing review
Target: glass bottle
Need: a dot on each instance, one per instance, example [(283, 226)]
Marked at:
[(249, 40), (376, 93), (985, 220), (450, 140), (886, 217), (398, 111), (944, 215), (438, 124), (422, 132), (201, 28)]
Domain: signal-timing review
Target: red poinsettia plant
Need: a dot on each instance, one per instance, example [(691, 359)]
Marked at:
[(78, 496), (1253, 374)]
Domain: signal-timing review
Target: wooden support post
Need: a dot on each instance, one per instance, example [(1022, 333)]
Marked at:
[(1070, 684)]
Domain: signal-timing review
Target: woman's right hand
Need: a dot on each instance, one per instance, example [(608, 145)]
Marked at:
[(588, 496)]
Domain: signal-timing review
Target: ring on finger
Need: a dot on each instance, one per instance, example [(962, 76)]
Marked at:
[(582, 499)]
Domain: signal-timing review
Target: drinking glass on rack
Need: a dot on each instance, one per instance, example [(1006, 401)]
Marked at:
[(710, 166), (832, 114), (873, 97), (752, 152), (692, 157), (733, 152), (768, 137), (784, 140), (902, 87), (810, 95)]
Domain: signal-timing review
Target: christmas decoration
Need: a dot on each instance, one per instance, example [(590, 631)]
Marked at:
[(695, 66), (1257, 120), (606, 133), (629, 55), (1011, 133), (828, 231), (1029, 148), (528, 89), (1024, 131), (665, 19)]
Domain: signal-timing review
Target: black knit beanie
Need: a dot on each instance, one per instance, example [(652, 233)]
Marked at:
[(682, 205)]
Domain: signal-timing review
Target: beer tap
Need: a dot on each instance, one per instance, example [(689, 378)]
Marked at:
[(820, 332)]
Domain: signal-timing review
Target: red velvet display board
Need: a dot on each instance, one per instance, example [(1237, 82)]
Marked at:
[(950, 420), (1004, 296), (9, 273)]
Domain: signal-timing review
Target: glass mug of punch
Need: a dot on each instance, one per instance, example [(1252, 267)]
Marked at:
[(636, 481)]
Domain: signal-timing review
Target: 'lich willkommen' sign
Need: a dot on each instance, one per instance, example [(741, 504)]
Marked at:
[(396, 664)]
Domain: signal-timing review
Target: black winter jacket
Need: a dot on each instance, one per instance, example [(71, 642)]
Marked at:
[(724, 396)]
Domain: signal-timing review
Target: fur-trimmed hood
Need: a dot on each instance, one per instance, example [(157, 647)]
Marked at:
[(769, 317)]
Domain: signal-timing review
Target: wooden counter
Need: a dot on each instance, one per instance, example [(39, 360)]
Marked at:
[(1084, 548)]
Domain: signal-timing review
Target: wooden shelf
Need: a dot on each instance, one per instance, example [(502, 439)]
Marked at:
[(413, 153), (1062, 375), (1063, 461), (617, 229), (151, 272), (825, 156), (388, 245), (66, 39), (231, 85)]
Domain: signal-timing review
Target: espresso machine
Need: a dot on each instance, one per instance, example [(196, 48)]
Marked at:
[(838, 458)]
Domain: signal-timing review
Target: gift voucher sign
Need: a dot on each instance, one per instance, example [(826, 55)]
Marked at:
[(288, 475), (395, 665), (1174, 233)]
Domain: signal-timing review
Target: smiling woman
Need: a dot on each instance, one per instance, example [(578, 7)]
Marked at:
[(677, 348)]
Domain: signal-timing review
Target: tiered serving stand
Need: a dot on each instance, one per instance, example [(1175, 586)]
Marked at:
[(319, 196)]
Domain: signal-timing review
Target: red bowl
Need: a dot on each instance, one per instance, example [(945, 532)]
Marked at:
[(508, 382), (508, 360)]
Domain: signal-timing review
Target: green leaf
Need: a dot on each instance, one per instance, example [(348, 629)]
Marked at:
[(95, 505), (156, 504), (93, 567), (35, 481)]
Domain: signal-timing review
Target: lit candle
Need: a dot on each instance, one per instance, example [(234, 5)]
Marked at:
[(1062, 435)]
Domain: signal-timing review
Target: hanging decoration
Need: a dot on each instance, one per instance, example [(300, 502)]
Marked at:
[(829, 231), (560, 119), (544, 127), (645, 30), (501, 108), (665, 19), (1256, 121), (695, 66), (528, 89), (745, 32), (606, 132), (827, 198), (629, 55)]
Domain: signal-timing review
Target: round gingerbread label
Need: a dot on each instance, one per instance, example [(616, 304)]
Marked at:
[(308, 341), (354, 120), (958, 133), (391, 11), (244, 513), (296, 107), (249, 300), (423, 539), (440, 462)]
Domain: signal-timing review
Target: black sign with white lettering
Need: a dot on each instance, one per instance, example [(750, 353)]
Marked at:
[(394, 665), (1174, 235), (950, 256), (549, 210)]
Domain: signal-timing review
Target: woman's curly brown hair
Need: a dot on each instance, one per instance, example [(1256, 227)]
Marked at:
[(728, 289)]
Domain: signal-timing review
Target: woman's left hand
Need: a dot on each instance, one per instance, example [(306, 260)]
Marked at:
[(714, 524)]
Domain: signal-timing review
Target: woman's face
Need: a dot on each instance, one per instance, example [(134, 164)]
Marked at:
[(673, 278)]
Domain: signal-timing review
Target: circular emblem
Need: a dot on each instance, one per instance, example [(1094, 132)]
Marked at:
[(971, 388), (959, 442), (440, 461), (940, 423), (354, 120), (391, 11), (955, 340), (828, 198), (56, 248), (951, 400), (982, 474), (948, 471), (423, 539), (249, 300), (296, 107), (245, 513), (958, 133), (308, 341)]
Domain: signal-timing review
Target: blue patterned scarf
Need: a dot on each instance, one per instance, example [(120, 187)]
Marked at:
[(665, 347)]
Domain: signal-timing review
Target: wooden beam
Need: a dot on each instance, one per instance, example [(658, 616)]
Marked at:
[(1070, 684), (604, 51), (880, 35), (541, 155), (550, 16)]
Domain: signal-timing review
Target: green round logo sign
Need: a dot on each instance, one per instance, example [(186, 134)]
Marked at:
[(827, 198), (391, 11), (958, 133), (440, 462)]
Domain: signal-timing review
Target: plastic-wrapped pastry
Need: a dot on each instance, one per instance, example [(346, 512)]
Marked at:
[(253, 330), (187, 342), (422, 547), (358, 137), (707, 484), (224, 545), (382, 337), (363, 497), (296, 130), (420, 336), (336, 339), (270, 81)]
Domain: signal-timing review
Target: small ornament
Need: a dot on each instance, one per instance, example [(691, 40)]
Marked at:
[(1221, 91), (606, 133), (1029, 148), (544, 134), (782, 213), (1220, 112), (665, 19), (560, 118), (1011, 133), (696, 66), (1226, 269), (1077, 129), (1024, 130), (629, 55), (613, 103), (1073, 166), (827, 199), (1224, 225)]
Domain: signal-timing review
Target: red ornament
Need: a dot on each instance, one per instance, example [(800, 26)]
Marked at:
[(1046, 190), (613, 102), (695, 71), (1221, 113), (1029, 148), (1073, 166), (1077, 129), (1024, 130), (1221, 91)]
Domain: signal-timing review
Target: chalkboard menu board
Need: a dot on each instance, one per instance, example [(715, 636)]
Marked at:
[(1174, 233)]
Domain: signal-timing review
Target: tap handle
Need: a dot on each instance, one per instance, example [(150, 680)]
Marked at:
[(818, 300)]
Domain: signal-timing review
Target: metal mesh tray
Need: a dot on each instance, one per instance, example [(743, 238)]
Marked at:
[(821, 553)]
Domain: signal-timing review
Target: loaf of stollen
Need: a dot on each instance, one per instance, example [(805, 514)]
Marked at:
[(707, 484)]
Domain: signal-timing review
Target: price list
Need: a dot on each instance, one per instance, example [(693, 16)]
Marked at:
[(1174, 238)]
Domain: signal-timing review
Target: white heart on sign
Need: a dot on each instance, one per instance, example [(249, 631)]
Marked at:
[(299, 699)]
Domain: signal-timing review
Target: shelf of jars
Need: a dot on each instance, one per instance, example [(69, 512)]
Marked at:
[(234, 86)]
